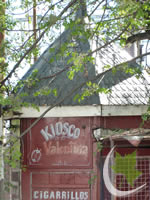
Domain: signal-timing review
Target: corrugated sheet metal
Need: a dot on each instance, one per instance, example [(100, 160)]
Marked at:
[(133, 91)]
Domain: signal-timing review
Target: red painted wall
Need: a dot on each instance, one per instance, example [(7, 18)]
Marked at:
[(58, 154)]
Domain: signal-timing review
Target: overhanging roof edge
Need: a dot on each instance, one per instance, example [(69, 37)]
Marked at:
[(81, 111)]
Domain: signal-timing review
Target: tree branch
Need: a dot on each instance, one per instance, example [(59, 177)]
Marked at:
[(35, 43), (138, 37), (111, 41), (76, 89), (72, 92), (55, 74)]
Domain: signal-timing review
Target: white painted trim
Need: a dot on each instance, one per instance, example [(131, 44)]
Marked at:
[(61, 111), (126, 110), (81, 111)]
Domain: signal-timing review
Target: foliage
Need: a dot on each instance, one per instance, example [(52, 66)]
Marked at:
[(113, 21), (93, 178), (116, 18), (146, 116)]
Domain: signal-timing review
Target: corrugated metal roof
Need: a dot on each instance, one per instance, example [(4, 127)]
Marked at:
[(133, 91), (125, 88)]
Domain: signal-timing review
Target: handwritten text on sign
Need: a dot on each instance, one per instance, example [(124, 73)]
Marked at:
[(70, 148), (63, 130)]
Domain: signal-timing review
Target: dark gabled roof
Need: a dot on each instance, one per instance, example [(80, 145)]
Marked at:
[(60, 82), (64, 86)]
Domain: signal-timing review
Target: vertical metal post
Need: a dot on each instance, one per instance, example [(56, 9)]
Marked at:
[(113, 178), (102, 195)]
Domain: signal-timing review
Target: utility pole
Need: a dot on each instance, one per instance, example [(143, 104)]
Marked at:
[(2, 21), (2, 54), (34, 25)]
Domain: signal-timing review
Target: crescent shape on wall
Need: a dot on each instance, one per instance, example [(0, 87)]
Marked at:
[(114, 191)]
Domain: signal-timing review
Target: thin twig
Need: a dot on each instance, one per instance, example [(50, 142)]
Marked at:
[(95, 8), (110, 42), (36, 42)]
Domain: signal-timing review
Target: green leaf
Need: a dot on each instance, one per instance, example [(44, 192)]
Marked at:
[(107, 67), (51, 60), (55, 92), (76, 97), (89, 84), (70, 75), (92, 179)]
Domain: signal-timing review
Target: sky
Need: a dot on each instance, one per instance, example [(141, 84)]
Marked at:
[(17, 13)]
